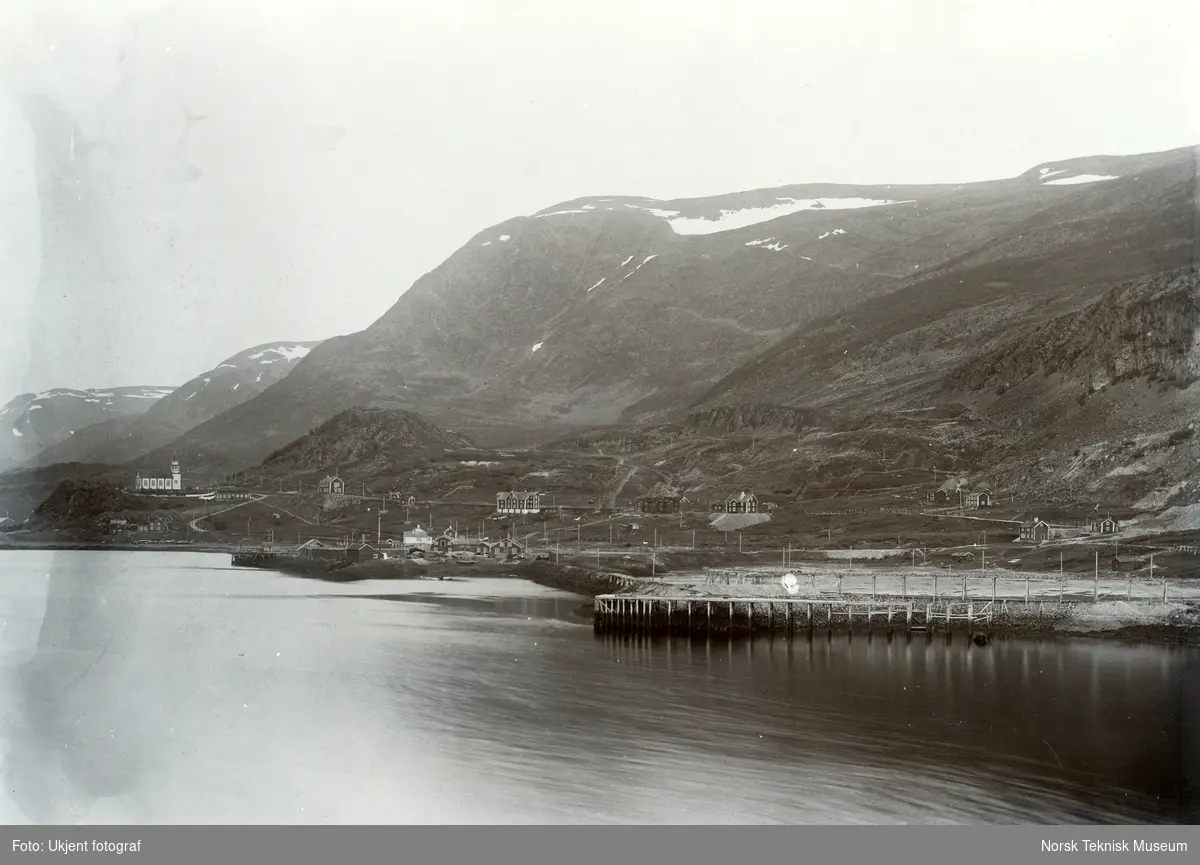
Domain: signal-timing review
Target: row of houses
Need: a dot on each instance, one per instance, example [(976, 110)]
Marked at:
[(742, 503)]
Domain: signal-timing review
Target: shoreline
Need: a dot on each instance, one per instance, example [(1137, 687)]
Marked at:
[(1139, 622), (1177, 623)]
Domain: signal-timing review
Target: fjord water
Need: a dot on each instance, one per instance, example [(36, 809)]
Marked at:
[(169, 687)]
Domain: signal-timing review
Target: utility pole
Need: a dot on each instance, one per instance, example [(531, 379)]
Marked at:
[(693, 539)]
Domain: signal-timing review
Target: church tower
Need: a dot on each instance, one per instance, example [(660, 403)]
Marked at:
[(176, 477)]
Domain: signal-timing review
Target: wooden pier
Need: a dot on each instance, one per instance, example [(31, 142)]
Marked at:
[(651, 615)]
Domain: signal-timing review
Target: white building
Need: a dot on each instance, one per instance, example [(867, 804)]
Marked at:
[(174, 482), (418, 538)]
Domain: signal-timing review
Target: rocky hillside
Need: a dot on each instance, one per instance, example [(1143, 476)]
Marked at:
[(32, 422), (1148, 328), (610, 310), (75, 502), (233, 381), (757, 417), (1103, 400), (363, 442)]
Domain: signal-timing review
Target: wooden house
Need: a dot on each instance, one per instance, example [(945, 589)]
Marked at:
[(361, 552), (660, 504), (513, 502), (509, 548), (947, 494), (1036, 532), (450, 541), (980, 499), (331, 485), (1105, 526), (742, 503)]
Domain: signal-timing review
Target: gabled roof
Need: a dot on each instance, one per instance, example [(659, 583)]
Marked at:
[(741, 497), (329, 478)]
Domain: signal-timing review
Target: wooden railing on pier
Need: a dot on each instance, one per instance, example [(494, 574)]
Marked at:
[(652, 614)]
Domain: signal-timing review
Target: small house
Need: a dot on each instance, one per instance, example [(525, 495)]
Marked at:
[(449, 541), (509, 548), (948, 493), (361, 553), (331, 485), (1106, 526), (1036, 532), (980, 499)]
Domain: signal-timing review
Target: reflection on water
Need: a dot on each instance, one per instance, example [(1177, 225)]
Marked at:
[(166, 694)]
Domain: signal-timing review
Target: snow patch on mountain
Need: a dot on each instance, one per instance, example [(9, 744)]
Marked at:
[(537, 345), (744, 218), (1079, 178), (768, 243), (831, 233), (597, 285), (647, 259), (284, 352)]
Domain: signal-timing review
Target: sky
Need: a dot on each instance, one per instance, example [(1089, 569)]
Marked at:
[(183, 180)]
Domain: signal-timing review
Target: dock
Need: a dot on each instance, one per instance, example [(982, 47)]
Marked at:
[(651, 615)]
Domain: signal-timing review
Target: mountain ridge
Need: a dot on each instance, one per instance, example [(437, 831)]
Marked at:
[(619, 310)]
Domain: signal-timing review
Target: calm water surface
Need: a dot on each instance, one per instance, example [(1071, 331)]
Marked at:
[(169, 687)]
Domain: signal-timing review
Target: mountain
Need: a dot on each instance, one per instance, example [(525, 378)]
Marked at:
[(361, 442), (622, 311), (33, 422), (233, 381)]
